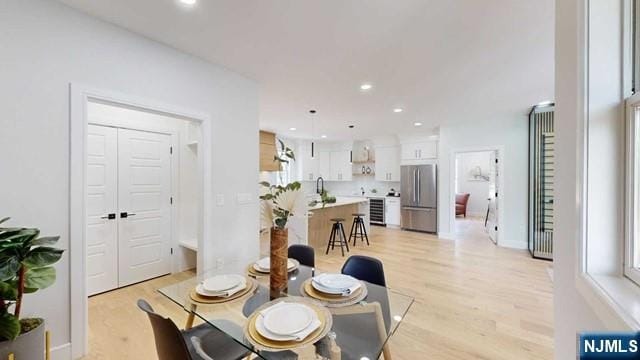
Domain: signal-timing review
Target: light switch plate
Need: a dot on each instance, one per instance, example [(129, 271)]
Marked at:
[(220, 199)]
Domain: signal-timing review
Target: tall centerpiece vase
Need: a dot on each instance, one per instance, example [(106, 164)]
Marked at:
[(278, 279)]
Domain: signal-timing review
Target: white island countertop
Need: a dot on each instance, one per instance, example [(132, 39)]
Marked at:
[(340, 201)]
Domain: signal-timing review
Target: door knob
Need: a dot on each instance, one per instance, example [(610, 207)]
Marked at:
[(109, 216), (125, 214)]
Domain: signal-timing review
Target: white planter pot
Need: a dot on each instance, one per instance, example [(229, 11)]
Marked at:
[(28, 346)]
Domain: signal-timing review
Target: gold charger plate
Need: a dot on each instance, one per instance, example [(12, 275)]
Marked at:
[(252, 271), (333, 300), (264, 344), (251, 285)]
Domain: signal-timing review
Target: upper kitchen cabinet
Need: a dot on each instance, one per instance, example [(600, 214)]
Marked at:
[(268, 150), (417, 151), (308, 168), (387, 163), (324, 164), (341, 169)]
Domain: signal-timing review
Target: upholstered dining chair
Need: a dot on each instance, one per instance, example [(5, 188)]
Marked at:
[(202, 342), (365, 268), (461, 204), (303, 253)]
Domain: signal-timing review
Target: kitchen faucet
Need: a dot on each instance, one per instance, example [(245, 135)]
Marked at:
[(319, 181), (362, 189)]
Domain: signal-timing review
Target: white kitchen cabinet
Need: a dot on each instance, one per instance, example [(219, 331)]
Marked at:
[(341, 169), (419, 150), (392, 211), (387, 164), (324, 164), (308, 170)]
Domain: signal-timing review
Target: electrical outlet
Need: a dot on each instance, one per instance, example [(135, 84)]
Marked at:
[(244, 198)]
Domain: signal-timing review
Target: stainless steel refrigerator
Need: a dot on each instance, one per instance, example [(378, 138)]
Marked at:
[(419, 197)]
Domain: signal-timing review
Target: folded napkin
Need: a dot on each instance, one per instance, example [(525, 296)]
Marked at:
[(343, 292), (299, 336), (225, 293)]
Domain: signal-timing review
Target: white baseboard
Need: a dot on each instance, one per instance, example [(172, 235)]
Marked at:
[(61, 352), (513, 244)]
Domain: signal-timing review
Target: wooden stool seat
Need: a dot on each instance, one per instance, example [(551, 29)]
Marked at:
[(358, 229), (337, 230)]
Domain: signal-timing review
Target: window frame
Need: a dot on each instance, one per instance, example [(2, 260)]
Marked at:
[(631, 263)]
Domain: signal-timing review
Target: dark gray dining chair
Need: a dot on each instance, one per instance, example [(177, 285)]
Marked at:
[(304, 254), (365, 268), (202, 342)]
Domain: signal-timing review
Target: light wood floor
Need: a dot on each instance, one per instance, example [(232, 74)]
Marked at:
[(473, 300)]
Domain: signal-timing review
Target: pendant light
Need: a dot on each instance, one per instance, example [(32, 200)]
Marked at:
[(313, 153)]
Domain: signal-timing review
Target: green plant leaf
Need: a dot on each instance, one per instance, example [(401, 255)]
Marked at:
[(9, 326), (40, 278), (265, 183), (9, 266), (45, 240), (42, 256), (4, 219), (8, 291)]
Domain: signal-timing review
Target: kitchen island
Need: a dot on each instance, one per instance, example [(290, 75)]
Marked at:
[(319, 219)]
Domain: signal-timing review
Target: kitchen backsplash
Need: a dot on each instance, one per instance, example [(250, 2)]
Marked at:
[(353, 188)]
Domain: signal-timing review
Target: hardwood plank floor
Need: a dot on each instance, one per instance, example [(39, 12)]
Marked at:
[(473, 300)]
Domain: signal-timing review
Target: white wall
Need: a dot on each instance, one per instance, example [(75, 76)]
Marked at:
[(509, 132), (45, 46), (466, 164)]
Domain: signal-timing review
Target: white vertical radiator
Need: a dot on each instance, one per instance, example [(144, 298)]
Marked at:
[(541, 181)]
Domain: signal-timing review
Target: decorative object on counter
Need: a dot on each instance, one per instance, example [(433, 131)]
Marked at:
[(279, 203), (393, 192), (374, 191), (25, 267), (364, 170), (368, 170), (324, 199)]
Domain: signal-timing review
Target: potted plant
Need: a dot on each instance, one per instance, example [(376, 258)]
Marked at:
[(279, 204), (25, 267)]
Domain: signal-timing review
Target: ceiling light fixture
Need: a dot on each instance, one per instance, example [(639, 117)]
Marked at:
[(323, 136), (417, 124), (397, 110), (188, 2), (365, 87), (313, 150), (293, 129)]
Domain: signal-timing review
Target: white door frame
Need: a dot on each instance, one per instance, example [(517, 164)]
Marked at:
[(80, 95), (452, 185)]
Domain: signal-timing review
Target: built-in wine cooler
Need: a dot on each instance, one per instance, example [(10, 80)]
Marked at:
[(541, 181), (376, 211)]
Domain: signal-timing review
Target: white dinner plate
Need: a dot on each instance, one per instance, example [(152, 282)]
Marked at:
[(225, 293), (336, 281), (288, 319), (264, 264), (222, 282)]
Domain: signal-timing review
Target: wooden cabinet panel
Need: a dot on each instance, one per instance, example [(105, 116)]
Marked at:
[(267, 151)]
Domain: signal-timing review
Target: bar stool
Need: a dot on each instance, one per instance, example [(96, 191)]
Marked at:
[(358, 230), (337, 230)]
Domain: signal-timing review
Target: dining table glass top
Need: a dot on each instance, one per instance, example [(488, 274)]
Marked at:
[(359, 334)]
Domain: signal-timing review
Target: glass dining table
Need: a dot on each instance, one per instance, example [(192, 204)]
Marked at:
[(359, 334)]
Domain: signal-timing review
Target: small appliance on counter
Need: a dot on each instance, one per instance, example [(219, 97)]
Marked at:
[(393, 192)]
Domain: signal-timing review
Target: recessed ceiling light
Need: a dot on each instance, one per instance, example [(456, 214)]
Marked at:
[(417, 124), (188, 2), (397, 110), (293, 129), (323, 136), (366, 87)]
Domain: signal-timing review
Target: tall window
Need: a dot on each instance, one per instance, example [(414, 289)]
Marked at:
[(632, 248)]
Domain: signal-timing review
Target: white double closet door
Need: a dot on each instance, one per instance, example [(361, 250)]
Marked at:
[(128, 207)]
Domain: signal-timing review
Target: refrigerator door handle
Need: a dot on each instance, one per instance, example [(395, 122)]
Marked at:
[(419, 185), (415, 186)]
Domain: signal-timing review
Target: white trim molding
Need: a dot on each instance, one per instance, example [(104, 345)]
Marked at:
[(80, 95)]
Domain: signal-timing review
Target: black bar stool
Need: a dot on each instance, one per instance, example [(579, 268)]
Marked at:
[(358, 230), (337, 230)]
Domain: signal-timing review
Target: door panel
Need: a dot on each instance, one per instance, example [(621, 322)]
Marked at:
[(407, 185), (144, 185), (420, 219), (428, 194), (492, 213), (102, 234)]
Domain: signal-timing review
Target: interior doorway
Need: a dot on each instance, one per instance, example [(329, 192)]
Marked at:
[(477, 188), (142, 190)]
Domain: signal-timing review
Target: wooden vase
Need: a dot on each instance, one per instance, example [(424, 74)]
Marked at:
[(278, 275)]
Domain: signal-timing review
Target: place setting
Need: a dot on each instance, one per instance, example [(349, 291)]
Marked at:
[(222, 288), (287, 324), (334, 290), (262, 267)]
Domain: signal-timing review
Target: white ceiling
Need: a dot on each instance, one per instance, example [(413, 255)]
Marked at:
[(443, 61)]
